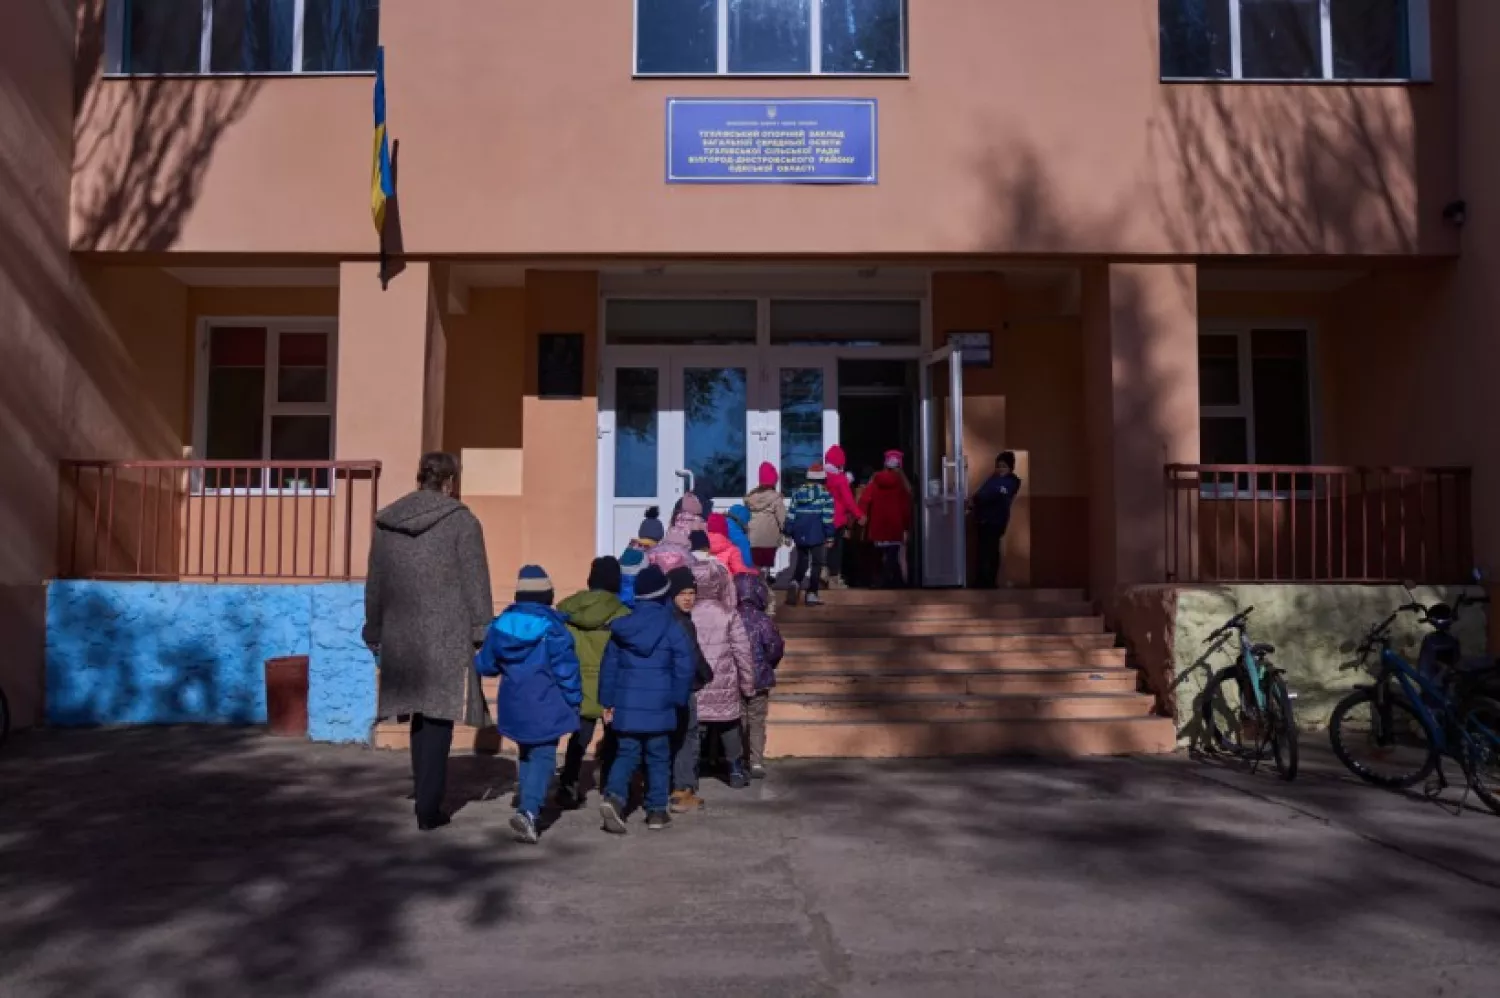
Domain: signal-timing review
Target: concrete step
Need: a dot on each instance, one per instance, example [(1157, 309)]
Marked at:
[(910, 597), (957, 707), (921, 683), (957, 612), (908, 647), (798, 660), (890, 626), (1066, 737)]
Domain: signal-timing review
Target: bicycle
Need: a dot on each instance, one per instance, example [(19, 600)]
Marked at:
[(1414, 715), (1258, 715)]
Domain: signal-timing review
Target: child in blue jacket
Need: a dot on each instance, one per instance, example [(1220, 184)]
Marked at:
[(540, 688), (809, 523), (646, 678)]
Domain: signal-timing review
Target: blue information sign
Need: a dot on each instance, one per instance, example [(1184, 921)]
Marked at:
[(771, 141)]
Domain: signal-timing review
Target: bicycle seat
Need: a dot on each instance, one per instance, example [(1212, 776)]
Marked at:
[(1262, 650)]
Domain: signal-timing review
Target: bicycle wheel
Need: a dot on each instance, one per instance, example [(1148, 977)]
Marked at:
[(1281, 726), (1230, 718), (1382, 743), (1479, 747)]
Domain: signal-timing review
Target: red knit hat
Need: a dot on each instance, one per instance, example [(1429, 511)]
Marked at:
[(835, 457), (815, 472), (718, 524), (768, 475)]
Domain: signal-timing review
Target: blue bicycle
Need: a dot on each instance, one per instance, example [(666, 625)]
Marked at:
[(1395, 732), (1246, 709)]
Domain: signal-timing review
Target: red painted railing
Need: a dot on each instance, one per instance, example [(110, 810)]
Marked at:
[(1292, 523), (216, 520)]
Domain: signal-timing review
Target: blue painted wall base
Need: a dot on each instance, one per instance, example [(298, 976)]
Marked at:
[(184, 653)]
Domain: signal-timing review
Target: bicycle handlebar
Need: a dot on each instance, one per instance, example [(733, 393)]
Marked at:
[(1235, 623), (1424, 612)]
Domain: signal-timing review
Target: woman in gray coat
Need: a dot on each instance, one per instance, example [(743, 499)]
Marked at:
[(427, 607)]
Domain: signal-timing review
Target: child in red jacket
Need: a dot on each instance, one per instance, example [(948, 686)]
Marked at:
[(845, 512), (885, 508)]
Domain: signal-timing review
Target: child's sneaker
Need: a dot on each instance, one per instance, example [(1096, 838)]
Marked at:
[(524, 827), (791, 594), (737, 778), (657, 820), (757, 771), (685, 802), (611, 811)]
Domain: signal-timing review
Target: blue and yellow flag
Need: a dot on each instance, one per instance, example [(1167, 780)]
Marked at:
[(382, 179)]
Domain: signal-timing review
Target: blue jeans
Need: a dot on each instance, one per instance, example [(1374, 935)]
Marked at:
[(537, 764), (656, 749)]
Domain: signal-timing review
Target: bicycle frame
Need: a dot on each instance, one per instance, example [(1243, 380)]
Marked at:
[(1254, 671)]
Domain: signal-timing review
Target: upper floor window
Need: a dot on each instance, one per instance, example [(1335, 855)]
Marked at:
[(770, 37), (242, 36), (1294, 39)]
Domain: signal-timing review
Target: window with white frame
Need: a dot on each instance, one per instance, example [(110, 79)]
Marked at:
[(1294, 39), (770, 37), (190, 37), (266, 393), (1255, 394)]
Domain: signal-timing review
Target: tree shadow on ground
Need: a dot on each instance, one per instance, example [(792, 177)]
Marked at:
[(214, 861)]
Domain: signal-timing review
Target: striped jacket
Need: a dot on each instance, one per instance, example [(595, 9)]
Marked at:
[(812, 503)]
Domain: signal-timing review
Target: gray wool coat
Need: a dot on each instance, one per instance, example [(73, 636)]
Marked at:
[(427, 607)]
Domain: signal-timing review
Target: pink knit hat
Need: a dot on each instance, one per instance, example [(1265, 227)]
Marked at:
[(835, 457), (768, 475), (893, 458), (692, 505)]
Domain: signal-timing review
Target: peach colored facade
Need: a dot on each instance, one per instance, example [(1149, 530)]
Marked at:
[(1036, 175)]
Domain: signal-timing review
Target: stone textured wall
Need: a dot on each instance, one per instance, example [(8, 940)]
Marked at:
[(174, 653), (1314, 629)]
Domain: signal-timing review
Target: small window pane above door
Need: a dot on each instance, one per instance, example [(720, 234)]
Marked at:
[(637, 431), (846, 323), (676, 322)]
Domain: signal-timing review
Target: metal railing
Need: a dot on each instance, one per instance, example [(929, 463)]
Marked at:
[(1294, 523), (216, 520)]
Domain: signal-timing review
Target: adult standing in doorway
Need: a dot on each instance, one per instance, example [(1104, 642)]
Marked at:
[(845, 511), (427, 606), (992, 509)]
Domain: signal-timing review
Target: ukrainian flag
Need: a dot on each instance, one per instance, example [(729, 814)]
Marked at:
[(382, 179)]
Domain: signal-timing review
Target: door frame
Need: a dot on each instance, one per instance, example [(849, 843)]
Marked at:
[(952, 472)]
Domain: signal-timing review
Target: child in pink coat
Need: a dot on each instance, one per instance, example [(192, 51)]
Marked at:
[(726, 646)]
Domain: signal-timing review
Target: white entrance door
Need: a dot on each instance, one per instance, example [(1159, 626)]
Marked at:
[(944, 471), (670, 421)]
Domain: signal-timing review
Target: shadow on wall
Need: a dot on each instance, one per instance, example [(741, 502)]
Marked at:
[(221, 862)]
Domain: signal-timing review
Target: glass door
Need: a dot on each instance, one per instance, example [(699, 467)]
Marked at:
[(944, 471), (635, 471), (713, 422)]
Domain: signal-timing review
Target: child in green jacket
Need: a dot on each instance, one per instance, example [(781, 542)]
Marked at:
[(590, 614)]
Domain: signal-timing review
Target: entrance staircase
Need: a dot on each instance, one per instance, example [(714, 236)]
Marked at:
[(912, 674)]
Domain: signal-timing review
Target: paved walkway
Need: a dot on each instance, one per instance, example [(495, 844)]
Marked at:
[(222, 863)]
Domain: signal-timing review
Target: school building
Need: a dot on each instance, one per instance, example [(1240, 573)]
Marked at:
[(1220, 272)]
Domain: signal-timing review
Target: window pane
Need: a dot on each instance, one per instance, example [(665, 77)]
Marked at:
[(647, 322), (770, 36), (801, 424), (1371, 39), (677, 36), (301, 438), (302, 368), (236, 394), (340, 36), (1218, 370), (1222, 440), (163, 36), (1194, 39), (846, 323), (1281, 39), (715, 400), (864, 36), (252, 36), (637, 432), (1279, 384)]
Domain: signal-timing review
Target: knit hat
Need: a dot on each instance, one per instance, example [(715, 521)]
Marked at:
[(718, 524), (815, 472), (533, 586), (835, 457), (699, 540), (769, 476), (679, 580), (604, 575), (893, 458), (651, 586), (692, 504), (651, 531), (631, 562)]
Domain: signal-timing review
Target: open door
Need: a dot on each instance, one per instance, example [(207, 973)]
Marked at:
[(944, 482)]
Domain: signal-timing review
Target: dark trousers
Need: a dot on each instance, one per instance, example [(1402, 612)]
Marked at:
[(891, 576), (431, 738), (731, 741), (990, 540), (836, 553), (685, 744), (578, 746), (813, 557)]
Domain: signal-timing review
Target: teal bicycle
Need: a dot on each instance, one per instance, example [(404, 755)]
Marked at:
[(1246, 708)]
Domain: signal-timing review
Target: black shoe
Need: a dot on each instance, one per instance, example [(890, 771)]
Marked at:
[(757, 772), (434, 822), (657, 820), (568, 798), (737, 778), (611, 812), (524, 827)]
